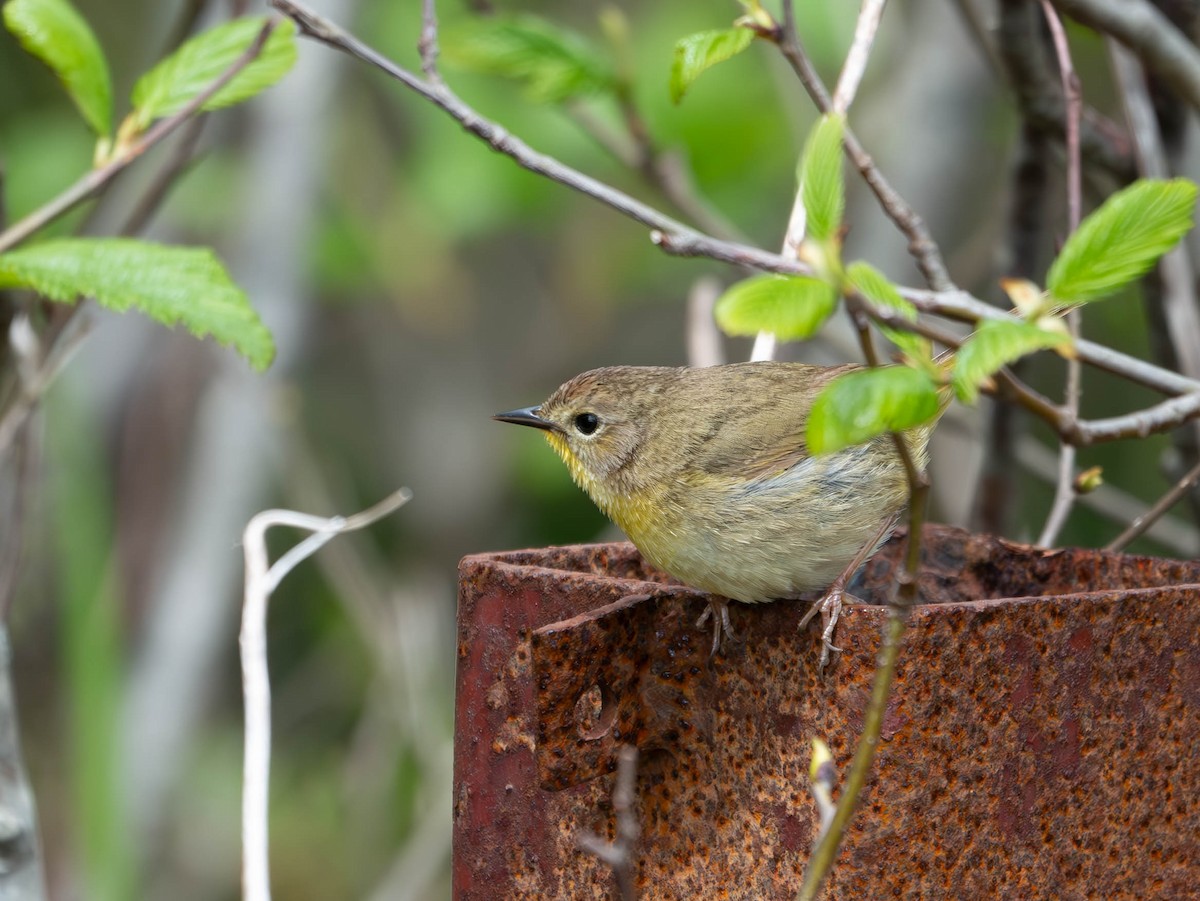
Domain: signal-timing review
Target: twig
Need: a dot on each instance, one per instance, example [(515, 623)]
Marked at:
[(261, 581), (165, 179), (42, 369), (1170, 292), (825, 852), (427, 46), (1023, 63), (93, 181), (859, 53), (847, 85), (1161, 506), (920, 245), (1109, 501), (1140, 26), (830, 836), (1064, 493), (703, 340), (618, 854), (997, 494)]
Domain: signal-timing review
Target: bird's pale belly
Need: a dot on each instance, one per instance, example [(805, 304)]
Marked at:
[(777, 537)]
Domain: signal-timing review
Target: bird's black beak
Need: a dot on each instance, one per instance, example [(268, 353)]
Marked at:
[(525, 416)]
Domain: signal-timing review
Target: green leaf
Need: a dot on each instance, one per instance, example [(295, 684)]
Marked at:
[(996, 343), (791, 307), (856, 407), (698, 52), (554, 63), (822, 181), (170, 284), (875, 287), (1122, 239), (56, 34), (176, 80)]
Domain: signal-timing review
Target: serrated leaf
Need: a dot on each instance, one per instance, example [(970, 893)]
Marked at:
[(822, 181), (554, 63), (54, 32), (174, 285), (996, 343), (696, 53), (856, 407), (875, 287), (1122, 239), (790, 307), (176, 80)]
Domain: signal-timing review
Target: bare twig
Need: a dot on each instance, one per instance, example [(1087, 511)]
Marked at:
[(1023, 62), (703, 340), (1170, 291), (860, 51), (618, 854), (1144, 29), (1064, 494), (920, 245), (166, 178), (1109, 501), (427, 46), (1161, 506), (261, 580), (41, 369), (93, 181)]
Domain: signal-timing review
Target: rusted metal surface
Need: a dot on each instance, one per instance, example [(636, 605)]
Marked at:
[(1043, 738)]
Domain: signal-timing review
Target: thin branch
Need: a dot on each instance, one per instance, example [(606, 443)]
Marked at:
[(852, 71), (1023, 62), (860, 51), (1169, 294), (1144, 29), (823, 855), (1161, 506), (427, 46), (1064, 493), (1109, 501), (93, 181), (703, 339), (166, 178), (261, 580), (920, 244), (618, 854)]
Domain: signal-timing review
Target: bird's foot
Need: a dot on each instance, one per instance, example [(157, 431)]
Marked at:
[(718, 609), (829, 605)]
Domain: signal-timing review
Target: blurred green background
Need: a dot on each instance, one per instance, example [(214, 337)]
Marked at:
[(416, 283)]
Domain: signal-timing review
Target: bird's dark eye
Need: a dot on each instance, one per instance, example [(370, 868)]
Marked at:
[(587, 423)]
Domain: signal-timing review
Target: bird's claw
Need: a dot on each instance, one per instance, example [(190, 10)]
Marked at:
[(718, 609), (829, 605)]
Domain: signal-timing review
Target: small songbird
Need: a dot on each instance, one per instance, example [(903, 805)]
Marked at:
[(708, 473)]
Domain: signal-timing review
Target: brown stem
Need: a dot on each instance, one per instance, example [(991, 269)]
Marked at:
[(1064, 493), (1161, 506), (920, 244), (1149, 33)]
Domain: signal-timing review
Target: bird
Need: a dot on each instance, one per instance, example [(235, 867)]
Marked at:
[(708, 472)]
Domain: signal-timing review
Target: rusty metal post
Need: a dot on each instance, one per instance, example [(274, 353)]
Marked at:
[(1041, 742)]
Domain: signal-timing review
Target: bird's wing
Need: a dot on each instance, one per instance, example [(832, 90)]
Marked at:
[(758, 439)]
